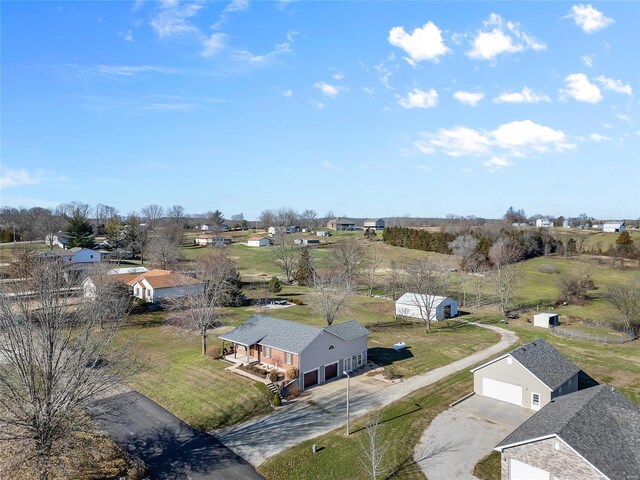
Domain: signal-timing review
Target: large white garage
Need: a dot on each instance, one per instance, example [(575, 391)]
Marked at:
[(506, 392), (522, 471)]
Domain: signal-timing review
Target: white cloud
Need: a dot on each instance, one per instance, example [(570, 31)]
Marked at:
[(588, 60), (319, 105), (425, 168), (132, 70), (422, 44), (237, 6), (127, 36), (20, 177), (525, 96), (247, 57), (338, 76), (588, 18), (468, 98), (214, 45), (580, 88), (614, 85), (327, 89), (331, 166), (623, 117), (496, 163), (595, 137), (505, 37), (369, 90), (287, 93), (607, 126), (514, 139), (173, 19), (419, 99), (171, 107)]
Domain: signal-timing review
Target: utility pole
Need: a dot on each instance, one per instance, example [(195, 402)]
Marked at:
[(348, 385)]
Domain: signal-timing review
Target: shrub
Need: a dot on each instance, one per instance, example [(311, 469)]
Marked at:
[(546, 268), (214, 351), (291, 373), (277, 402), (263, 372), (295, 301), (273, 376), (293, 391)]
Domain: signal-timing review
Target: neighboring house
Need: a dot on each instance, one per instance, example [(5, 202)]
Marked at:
[(205, 228), (156, 285), (588, 435), (306, 241), (258, 241), (211, 239), (530, 376), (544, 223), (323, 233), (373, 223), (546, 320), (566, 224), (320, 354), (223, 227), (89, 283), (79, 255), (597, 226), (341, 224), (289, 230), (413, 305), (614, 227), (56, 241), (119, 271)]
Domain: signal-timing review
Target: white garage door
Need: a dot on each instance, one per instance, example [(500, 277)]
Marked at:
[(522, 471), (507, 392)]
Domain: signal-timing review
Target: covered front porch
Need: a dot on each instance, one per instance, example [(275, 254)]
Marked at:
[(238, 353)]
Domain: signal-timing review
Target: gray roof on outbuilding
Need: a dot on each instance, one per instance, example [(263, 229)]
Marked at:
[(599, 423), (348, 330), (545, 362), (284, 335)]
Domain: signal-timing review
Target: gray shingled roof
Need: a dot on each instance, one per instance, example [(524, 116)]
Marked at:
[(347, 330), (601, 424), (545, 362)]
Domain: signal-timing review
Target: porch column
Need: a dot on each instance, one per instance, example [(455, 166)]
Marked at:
[(248, 348)]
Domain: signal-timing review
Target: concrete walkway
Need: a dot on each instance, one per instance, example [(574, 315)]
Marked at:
[(259, 439)]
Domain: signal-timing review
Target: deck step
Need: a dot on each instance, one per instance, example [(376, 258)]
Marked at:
[(273, 389)]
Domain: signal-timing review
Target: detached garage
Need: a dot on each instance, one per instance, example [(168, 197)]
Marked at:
[(417, 305), (529, 376)]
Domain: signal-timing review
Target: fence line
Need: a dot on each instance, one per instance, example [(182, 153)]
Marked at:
[(624, 337)]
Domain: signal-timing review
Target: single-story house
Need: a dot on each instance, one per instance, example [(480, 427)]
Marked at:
[(156, 285), (323, 233), (320, 354), (290, 229), (546, 320), (306, 241), (614, 227), (205, 228), (341, 224), (209, 239), (530, 376), (89, 283), (79, 255), (258, 241), (373, 223), (223, 227), (544, 223), (587, 435), (566, 224), (53, 240), (416, 305)]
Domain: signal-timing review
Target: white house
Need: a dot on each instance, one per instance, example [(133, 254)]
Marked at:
[(323, 233), (52, 240), (613, 227), (306, 241), (223, 227), (416, 305), (290, 229), (544, 223), (79, 255), (376, 224), (546, 320), (258, 241), (210, 239), (566, 224), (156, 285)]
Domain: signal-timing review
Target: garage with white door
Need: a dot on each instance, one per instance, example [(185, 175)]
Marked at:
[(503, 391)]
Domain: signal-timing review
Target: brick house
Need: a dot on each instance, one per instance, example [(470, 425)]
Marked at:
[(592, 434), (319, 354)]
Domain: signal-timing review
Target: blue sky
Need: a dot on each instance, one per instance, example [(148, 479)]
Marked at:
[(363, 108)]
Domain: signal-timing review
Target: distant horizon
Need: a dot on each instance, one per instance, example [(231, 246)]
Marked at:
[(420, 108)]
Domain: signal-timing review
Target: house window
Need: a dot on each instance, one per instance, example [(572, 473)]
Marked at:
[(331, 347), (288, 358), (359, 359), (148, 292), (347, 365), (137, 290), (535, 400), (267, 352)]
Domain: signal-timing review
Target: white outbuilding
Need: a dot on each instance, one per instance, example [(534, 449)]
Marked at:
[(258, 242), (613, 227), (417, 305), (546, 320)]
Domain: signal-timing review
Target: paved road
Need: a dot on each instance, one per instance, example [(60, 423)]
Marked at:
[(259, 439), (460, 437), (170, 448)]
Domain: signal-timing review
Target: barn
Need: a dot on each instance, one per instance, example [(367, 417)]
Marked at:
[(416, 305)]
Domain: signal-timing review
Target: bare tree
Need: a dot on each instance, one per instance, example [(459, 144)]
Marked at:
[(163, 252), (625, 298), (73, 209), (284, 255), (427, 281), (56, 362), (395, 279), (478, 282), (286, 217), (48, 225), (373, 260), (267, 219), (329, 296), (309, 218), (108, 299), (505, 275), (348, 259), (200, 310), (374, 449), (464, 248), (152, 214)]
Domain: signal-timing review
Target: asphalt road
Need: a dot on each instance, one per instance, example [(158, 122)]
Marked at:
[(170, 448)]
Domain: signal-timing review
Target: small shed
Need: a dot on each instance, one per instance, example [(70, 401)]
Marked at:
[(416, 305), (258, 242), (546, 320)]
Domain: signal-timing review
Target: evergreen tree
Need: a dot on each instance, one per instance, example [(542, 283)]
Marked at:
[(235, 290), (305, 270), (624, 243), (80, 232), (274, 285)]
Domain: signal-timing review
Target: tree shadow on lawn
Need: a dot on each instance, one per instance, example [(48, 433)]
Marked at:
[(417, 408), (426, 454), (388, 356)]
